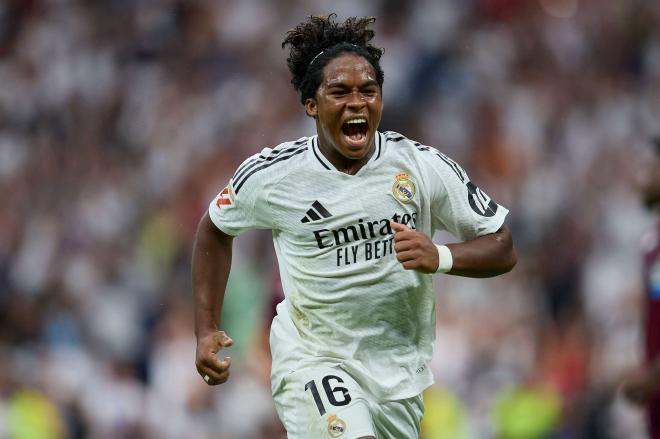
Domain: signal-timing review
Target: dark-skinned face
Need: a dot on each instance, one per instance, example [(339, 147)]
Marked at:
[(347, 107)]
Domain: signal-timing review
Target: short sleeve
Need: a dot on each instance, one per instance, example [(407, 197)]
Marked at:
[(243, 206), (457, 204)]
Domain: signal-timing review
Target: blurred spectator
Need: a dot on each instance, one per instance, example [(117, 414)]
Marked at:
[(643, 388)]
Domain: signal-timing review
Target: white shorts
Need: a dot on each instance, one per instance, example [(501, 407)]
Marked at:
[(325, 402)]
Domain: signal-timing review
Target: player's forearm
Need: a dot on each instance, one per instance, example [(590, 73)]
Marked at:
[(211, 263), (485, 256)]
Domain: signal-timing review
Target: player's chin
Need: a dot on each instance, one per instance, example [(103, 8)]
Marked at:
[(356, 147)]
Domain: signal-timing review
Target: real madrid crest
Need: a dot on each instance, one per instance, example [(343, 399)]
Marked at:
[(404, 188), (336, 427)]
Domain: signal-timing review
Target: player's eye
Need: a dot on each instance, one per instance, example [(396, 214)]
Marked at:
[(369, 92)]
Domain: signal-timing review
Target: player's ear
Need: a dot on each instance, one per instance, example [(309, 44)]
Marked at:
[(311, 108)]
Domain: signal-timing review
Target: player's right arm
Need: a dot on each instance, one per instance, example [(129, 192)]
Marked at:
[(211, 262), (242, 205)]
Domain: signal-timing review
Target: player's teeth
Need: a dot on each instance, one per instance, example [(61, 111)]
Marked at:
[(363, 120)]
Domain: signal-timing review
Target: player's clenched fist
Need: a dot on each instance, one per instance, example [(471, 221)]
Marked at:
[(414, 250), (210, 367)]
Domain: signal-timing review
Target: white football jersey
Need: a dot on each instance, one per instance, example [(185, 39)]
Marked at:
[(348, 301)]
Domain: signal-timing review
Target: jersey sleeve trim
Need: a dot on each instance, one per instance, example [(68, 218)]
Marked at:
[(250, 162), (261, 162), (392, 136), (396, 137)]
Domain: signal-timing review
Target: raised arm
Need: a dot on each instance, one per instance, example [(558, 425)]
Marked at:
[(211, 262), (486, 256)]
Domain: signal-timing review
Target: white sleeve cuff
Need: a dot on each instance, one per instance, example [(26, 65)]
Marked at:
[(446, 260)]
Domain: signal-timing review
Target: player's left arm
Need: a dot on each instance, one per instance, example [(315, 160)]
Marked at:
[(488, 255), (464, 210)]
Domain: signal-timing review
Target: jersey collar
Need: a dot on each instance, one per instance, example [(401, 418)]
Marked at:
[(325, 163)]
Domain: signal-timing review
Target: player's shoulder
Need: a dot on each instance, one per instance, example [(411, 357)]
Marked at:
[(398, 140), (429, 159), (402, 144), (270, 164)]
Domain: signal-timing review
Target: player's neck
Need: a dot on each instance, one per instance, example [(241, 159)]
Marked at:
[(344, 164)]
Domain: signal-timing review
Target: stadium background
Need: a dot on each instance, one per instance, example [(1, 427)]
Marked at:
[(120, 120)]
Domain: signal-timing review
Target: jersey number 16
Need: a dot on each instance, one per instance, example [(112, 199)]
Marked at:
[(330, 393)]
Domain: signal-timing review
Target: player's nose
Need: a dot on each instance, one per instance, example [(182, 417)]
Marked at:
[(356, 100)]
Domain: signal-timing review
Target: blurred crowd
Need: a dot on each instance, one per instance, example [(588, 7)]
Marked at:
[(121, 119)]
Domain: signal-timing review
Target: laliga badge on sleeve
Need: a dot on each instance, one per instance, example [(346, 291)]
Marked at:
[(225, 197), (336, 427), (404, 188)]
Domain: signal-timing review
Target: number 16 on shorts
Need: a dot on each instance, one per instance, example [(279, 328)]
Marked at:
[(323, 402), (335, 393)]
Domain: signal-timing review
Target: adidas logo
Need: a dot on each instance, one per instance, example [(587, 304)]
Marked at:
[(316, 212)]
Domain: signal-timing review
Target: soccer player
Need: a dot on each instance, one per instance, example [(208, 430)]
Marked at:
[(352, 211), (644, 388)]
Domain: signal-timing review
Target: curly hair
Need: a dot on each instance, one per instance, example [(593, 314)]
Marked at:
[(318, 40)]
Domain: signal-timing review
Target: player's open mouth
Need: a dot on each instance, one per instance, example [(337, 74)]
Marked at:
[(355, 131)]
